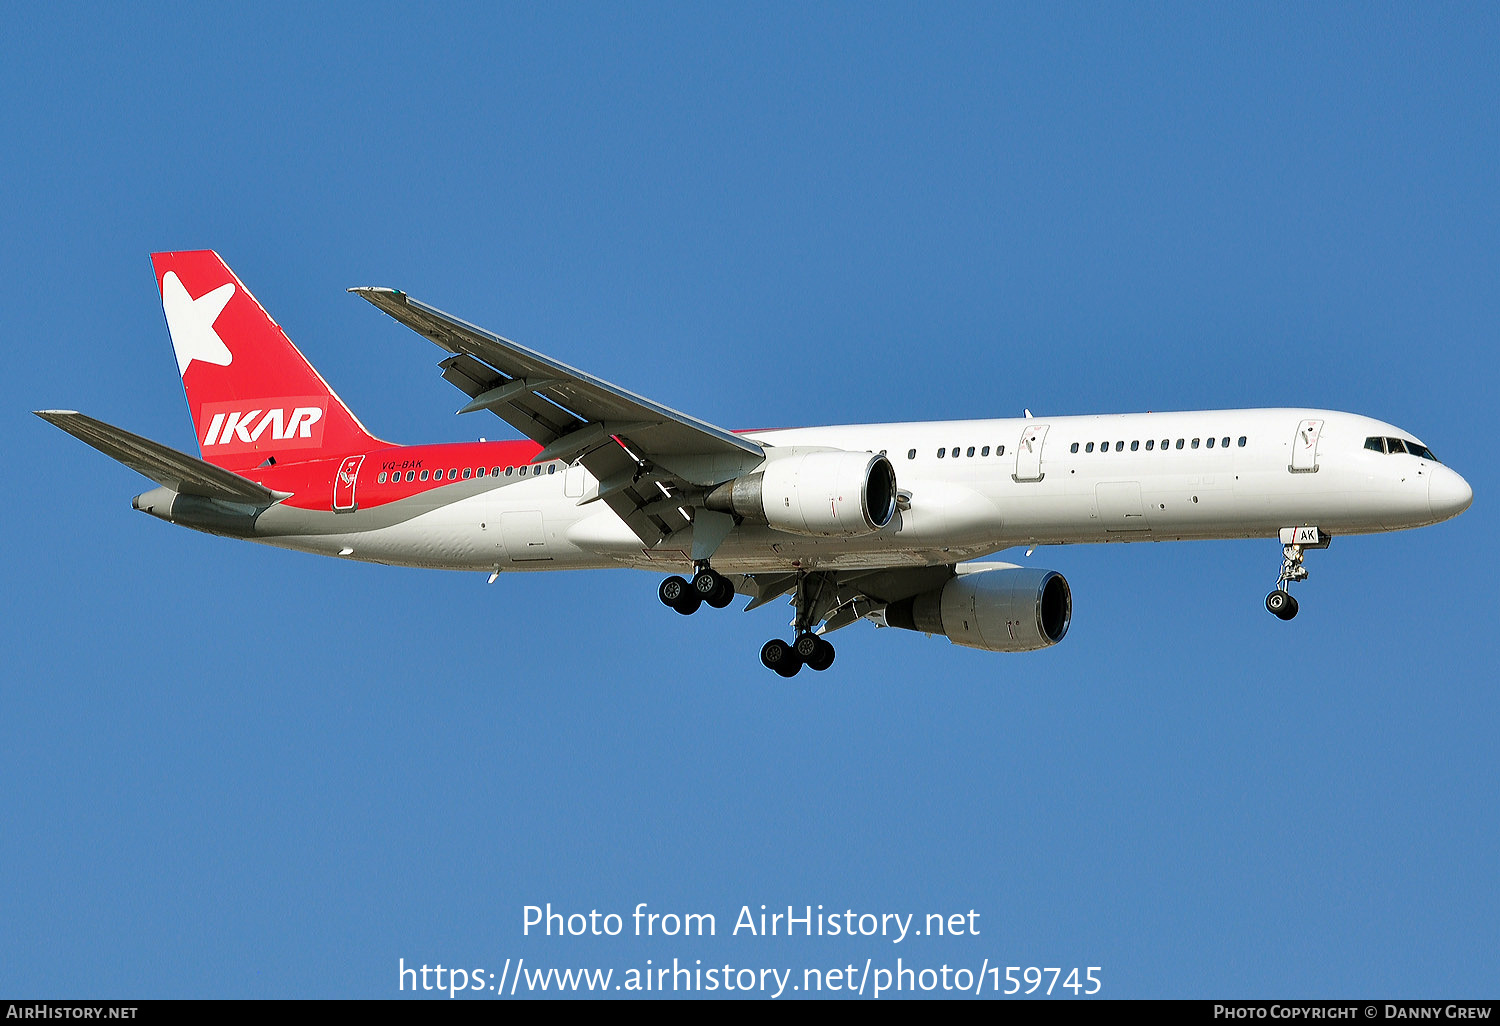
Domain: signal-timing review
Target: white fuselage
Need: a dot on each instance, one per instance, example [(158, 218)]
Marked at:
[(1163, 477)]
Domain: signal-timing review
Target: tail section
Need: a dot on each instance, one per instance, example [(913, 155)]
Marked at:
[(252, 395)]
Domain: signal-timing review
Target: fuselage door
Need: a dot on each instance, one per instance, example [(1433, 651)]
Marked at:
[(1305, 447), (524, 536), (1029, 453), (343, 484)]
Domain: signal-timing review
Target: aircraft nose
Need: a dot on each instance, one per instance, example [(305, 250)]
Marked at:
[(1448, 494)]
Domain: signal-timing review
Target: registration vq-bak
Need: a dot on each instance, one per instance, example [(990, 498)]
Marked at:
[(880, 522)]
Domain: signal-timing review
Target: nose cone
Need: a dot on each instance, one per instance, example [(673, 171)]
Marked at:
[(1448, 494)]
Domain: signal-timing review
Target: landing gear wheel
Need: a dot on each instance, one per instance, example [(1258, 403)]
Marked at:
[(781, 657), (1281, 604), (675, 592), (806, 646), (671, 591), (713, 588), (822, 659), (724, 595)]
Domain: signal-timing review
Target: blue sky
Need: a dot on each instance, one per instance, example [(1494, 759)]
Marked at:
[(229, 770)]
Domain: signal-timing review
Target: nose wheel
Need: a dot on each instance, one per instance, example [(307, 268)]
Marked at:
[(1281, 604)]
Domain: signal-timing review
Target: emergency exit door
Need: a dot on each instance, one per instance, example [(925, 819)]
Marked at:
[(344, 482), (1029, 453)]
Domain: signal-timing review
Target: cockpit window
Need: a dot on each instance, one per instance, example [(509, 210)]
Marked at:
[(1400, 445)]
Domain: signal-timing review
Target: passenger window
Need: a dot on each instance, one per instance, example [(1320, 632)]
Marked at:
[(1179, 443), (1242, 441), (552, 468), (1075, 447), (1166, 443), (1195, 443), (1119, 447), (494, 472), (536, 471), (986, 450), (1210, 443), (999, 450), (1089, 447), (479, 472), (467, 473), (1135, 446), (411, 475), (423, 475), (911, 454), (380, 479), (955, 452), (1224, 444), (971, 450)]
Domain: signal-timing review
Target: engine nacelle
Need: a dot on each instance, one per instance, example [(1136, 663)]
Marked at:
[(1008, 609), (822, 494)]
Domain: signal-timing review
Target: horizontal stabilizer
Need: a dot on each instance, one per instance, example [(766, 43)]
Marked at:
[(162, 464)]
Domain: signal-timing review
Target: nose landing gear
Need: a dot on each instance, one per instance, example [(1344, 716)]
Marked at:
[(1295, 541)]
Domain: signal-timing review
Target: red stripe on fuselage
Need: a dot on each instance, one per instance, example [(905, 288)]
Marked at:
[(311, 481)]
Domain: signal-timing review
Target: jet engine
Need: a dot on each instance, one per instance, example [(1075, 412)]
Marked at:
[(1006, 609), (824, 493)]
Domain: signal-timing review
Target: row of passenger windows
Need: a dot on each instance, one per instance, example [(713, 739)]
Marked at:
[(468, 472), (1135, 446), (1390, 445), (1166, 443), (959, 450)]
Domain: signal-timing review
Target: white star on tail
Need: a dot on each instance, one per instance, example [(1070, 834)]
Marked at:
[(191, 322)]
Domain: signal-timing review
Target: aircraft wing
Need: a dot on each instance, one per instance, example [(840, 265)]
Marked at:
[(162, 464), (651, 461)]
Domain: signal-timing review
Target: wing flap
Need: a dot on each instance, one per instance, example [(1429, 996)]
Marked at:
[(162, 464)]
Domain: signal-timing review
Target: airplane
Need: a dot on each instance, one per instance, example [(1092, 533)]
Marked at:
[(883, 522)]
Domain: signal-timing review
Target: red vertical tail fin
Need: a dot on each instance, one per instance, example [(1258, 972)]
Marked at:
[(251, 393)]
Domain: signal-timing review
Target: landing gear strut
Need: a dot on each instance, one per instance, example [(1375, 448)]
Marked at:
[(1295, 541), (707, 585)]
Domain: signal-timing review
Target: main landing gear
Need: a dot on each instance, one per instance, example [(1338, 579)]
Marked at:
[(1295, 541), (786, 659), (809, 649), (812, 597), (706, 586)]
